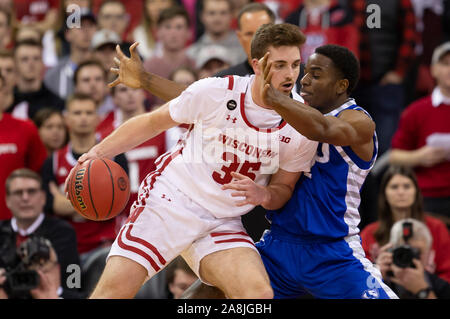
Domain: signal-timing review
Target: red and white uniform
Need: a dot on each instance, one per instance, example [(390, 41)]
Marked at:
[(20, 146), (141, 159), (90, 234), (181, 207)]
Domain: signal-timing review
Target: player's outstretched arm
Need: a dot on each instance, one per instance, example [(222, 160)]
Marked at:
[(130, 72), (132, 133), (272, 196), (350, 128)]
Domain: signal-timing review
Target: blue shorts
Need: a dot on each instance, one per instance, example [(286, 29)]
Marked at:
[(328, 270)]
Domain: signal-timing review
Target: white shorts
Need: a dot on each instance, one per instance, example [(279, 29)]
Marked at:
[(171, 224)]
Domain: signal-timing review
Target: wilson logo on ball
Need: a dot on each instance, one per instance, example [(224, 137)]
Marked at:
[(79, 187)]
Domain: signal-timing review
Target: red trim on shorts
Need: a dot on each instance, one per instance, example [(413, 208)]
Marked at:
[(232, 240), (230, 82), (264, 130), (223, 234), (144, 243), (137, 251)]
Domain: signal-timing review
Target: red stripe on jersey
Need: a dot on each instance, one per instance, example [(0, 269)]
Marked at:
[(158, 172), (137, 251), (264, 130), (242, 240), (144, 243), (223, 234), (230, 82)]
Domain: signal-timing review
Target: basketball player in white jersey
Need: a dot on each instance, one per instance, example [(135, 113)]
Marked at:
[(186, 206)]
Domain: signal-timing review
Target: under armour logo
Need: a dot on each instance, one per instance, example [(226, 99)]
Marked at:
[(232, 119)]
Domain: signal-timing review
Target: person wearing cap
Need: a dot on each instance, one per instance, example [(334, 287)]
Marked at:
[(103, 45), (59, 79), (212, 59), (422, 140)]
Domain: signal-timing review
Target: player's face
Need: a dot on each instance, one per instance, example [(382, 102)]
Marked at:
[(320, 83), (286, 67), (400, 192), (25, 199), (81, 117)]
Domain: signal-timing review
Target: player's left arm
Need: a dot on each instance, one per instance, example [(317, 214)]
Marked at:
[(273, 196)]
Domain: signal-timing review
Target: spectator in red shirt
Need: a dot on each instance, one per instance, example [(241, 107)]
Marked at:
[(20, 146), (400, 198), (41, 14), (422, 140)]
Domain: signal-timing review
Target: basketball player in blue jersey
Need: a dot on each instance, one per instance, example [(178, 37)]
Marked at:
[(313, 244)]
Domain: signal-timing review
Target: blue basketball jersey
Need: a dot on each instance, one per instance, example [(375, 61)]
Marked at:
[(324, 204)]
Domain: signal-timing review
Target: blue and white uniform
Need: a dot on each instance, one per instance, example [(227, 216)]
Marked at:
[(313, 243)]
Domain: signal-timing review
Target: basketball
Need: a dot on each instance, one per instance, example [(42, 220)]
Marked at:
[(98, 189)]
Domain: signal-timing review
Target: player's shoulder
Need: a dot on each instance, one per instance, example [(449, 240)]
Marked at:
[(209, 84), (213, 85)]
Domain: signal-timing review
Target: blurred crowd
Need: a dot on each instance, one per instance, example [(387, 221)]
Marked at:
[(55, 104)]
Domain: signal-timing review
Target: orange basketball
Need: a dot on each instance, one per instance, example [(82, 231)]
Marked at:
[(98, 189)]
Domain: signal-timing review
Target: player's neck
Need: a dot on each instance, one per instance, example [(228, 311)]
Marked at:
[(82, 143), (335, 104), (256, 93)]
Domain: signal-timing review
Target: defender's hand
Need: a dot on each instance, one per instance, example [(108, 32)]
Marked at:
[(129, 70), (268, 93)]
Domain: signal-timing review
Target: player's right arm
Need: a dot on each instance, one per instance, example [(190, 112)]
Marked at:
[(131, 72), (132, 133)]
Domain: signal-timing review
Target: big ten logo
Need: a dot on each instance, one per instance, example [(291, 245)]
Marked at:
[(74, 16), (74, 278), (285, 139), (373, 20)]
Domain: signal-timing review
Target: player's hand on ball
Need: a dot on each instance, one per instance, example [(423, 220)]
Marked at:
[(92, 154), (129, 70), (244, 186)]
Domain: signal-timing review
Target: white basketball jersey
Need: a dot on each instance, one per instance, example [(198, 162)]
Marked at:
[(221, 140)]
